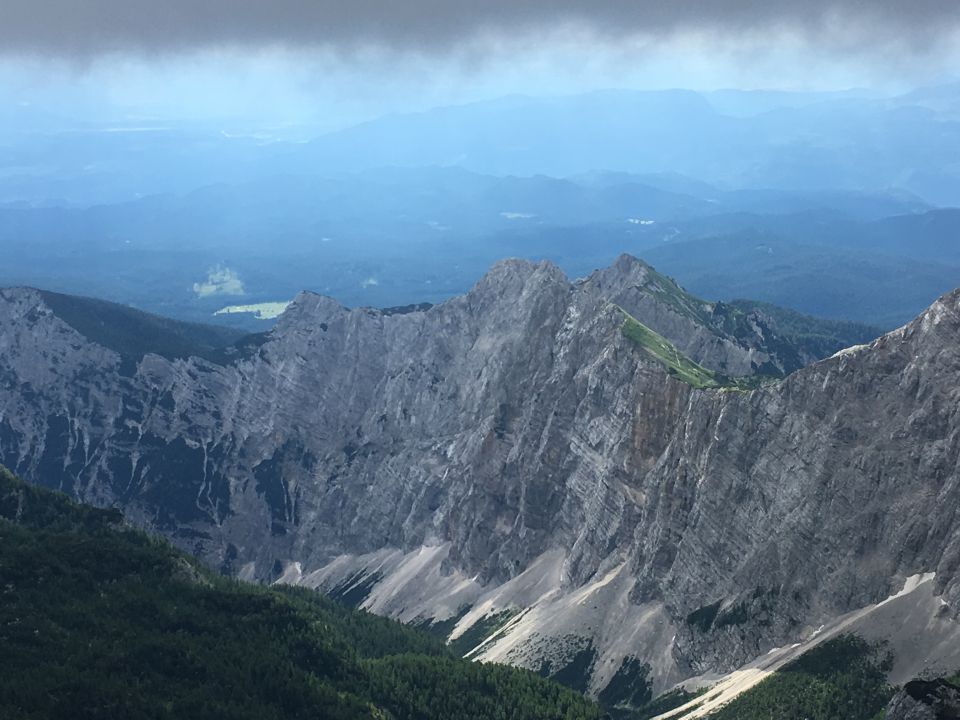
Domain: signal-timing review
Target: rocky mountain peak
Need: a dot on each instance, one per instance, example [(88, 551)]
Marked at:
[(626, 271), (515, 278), (310, 308), (942, 316)]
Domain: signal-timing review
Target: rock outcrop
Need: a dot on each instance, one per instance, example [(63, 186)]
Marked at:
[(510, 460), (925, 700)]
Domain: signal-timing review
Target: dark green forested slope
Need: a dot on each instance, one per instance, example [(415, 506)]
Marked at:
[(818, 336), (101, 621), (842, 679), (133, 333)]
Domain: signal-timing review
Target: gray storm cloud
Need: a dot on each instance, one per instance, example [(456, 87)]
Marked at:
[(91, 27)]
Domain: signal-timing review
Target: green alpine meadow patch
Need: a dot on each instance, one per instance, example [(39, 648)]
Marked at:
[(679, 365)]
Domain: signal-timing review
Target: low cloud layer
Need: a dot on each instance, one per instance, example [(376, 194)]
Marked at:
[(220, 281), (67, 28)]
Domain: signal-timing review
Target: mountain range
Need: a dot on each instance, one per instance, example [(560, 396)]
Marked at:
[(606, 480)]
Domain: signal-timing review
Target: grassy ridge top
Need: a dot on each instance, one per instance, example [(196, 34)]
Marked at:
[(796, 337), (676, 363), (99, 621), (679, 365)]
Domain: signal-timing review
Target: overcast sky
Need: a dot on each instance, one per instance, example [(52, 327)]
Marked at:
[(96, 26), (327, 63)]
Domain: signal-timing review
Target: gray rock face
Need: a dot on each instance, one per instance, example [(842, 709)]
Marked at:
[(513, 437), (925, 700)]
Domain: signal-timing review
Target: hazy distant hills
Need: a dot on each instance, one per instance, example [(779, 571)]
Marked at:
[(846, 142), (735, 139), (875, 272), (828, 203), (406, 235)]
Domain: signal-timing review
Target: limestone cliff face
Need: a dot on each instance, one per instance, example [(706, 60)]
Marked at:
[(511, 449)]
